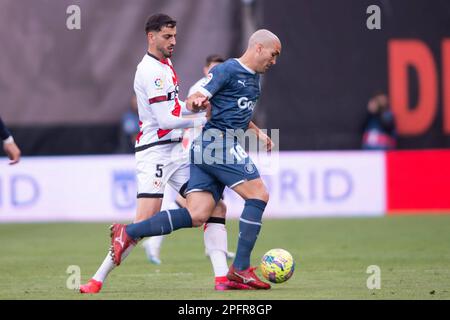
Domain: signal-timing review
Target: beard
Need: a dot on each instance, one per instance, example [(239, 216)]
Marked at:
[(166, 52)]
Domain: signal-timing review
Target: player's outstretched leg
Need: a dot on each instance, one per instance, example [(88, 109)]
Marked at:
[(145, 208), (249, 227), (199, 204), (95, 284), (162, 223), (120, 242)]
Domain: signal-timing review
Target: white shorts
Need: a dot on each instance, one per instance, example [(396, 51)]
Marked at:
[(161, 165)]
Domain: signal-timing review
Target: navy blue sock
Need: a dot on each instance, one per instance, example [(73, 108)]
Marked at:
[(163, 222), (249, 227)]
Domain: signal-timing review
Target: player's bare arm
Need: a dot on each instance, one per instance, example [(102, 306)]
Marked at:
[(12, 151), (261, 136), (167, 121), (9, 146)]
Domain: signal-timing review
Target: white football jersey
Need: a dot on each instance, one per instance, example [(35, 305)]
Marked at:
[(199, 84), (156, 86), (191, 134)]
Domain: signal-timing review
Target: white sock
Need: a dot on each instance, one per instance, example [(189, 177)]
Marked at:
[(153, 245), (108, 265), (215, 238)]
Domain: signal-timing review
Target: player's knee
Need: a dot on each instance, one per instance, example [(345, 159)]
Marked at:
[(264, 196), (198, 216), (221, 210), (198, 220), (200, 206), (257, 190)]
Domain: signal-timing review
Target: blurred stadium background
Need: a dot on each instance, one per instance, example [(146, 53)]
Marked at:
[(64, 93)]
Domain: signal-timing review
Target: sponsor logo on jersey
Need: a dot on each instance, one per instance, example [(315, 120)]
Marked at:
[(158, 83), (173, 94), (208, 79), (244, 103)]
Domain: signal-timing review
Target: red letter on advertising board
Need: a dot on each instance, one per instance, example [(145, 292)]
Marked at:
[(401, 55)]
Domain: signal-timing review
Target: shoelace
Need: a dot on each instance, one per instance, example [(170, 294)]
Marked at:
[(251, 270)]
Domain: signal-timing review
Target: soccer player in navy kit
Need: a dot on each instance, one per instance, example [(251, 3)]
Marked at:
[(232, 91)]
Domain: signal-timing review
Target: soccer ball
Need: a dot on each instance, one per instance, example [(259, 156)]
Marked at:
[(277, 265)]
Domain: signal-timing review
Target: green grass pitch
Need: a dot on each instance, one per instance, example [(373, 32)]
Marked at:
[(331, 255)]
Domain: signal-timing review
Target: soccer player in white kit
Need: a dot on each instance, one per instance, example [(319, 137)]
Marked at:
[(160, 159)]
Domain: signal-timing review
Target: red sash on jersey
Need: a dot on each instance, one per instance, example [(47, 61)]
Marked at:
[(177, 110), (139, 135)]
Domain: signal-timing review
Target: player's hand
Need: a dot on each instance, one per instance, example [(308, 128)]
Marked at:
[(12, 151), (200, 103), (208, 112), (266, 140)]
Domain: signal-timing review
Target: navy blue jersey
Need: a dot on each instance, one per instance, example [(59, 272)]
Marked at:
[(233, 90), (4, 132)]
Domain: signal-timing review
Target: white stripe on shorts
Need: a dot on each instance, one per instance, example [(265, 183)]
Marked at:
[(235, 184), (193, 190)]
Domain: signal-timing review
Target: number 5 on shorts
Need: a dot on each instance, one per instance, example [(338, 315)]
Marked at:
[(159, 172)]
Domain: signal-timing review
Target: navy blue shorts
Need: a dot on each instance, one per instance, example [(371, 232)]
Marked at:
[(213, 177)]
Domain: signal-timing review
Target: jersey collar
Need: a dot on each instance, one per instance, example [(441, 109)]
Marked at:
[(164, 61), (245, 67)]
